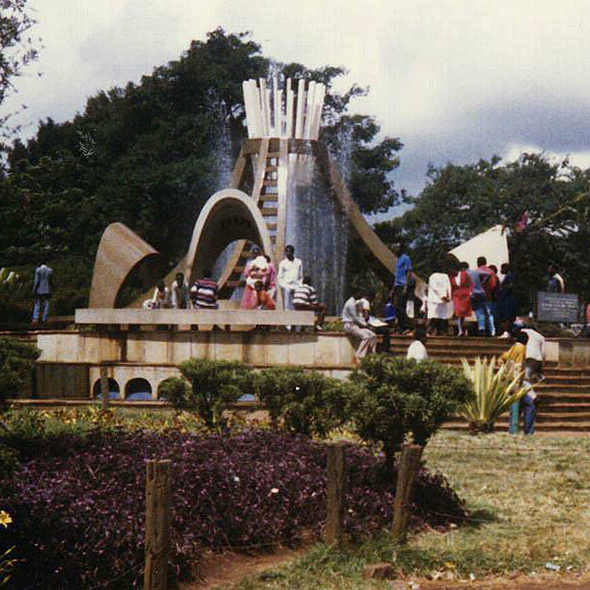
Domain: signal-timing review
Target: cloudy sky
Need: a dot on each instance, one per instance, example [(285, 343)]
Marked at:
[(455, 80)]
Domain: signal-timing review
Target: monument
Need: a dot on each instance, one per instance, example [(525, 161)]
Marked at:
[(285, 189)]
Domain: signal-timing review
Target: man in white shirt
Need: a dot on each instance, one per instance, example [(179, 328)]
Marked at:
[(290, 276), (534, 354), (357, 326), (417, 350)]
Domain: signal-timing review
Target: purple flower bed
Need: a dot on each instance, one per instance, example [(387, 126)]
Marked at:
[(78, 515)]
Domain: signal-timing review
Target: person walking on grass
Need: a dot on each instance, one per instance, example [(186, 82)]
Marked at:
[(357, 326), (42, 292)]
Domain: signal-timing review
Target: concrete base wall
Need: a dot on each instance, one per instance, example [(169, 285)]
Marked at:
[(154, 356)]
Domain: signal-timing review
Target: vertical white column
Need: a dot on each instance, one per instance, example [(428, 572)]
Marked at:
[(300, 106), (309, 109), (289, 109), (248, 109), (264, 106), (259, 116), (276, 99), (320, 94)]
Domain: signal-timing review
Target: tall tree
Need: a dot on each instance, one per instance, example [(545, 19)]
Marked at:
[(16, 49), (461, 201)]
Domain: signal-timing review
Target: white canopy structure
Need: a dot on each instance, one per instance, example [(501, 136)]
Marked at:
[(492, 244)]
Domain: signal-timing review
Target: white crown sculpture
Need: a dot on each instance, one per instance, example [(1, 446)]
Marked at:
[(268, 115)]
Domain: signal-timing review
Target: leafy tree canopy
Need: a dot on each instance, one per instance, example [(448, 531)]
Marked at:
[(459, 202), (150, 155), (16, 49)]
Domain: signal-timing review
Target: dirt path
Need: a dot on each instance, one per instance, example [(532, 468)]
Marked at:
[(229, 568)]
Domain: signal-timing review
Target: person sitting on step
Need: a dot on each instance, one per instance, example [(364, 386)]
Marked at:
[(305, 299)]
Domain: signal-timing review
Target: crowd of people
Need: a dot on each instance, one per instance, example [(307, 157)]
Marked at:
[(261, 280), (459, 293)]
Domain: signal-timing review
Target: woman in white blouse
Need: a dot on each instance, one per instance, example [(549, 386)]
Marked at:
[(440, 303)]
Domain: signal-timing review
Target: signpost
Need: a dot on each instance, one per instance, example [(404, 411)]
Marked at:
[(557, 307)]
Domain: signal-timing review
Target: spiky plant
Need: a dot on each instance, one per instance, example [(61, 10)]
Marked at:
[(495, 389), (9, 282)]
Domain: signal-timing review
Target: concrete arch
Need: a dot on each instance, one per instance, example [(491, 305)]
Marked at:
[(120, 251), (228, 215), (136, 386), (114, 388)]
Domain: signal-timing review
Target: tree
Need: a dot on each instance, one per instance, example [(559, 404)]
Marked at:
[(397, 397), (459, 202), (150, 154), (16, 48)]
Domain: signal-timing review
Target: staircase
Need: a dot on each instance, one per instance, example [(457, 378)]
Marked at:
[(564, 396), (265, 194)]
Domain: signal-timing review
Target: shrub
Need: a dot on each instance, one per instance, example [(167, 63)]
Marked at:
[(177, 391), (16, 361), (215, 385), (493, 392), (79, 516), (396, 397), (306, 403)]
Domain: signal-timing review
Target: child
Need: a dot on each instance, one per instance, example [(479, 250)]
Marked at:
[(264, 300)]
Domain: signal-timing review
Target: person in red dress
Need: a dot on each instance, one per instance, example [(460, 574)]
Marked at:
[(461, 288)]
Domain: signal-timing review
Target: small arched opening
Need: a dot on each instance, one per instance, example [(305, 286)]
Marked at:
[(138, 389), (114, 389)]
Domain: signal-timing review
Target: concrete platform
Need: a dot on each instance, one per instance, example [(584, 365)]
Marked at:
[(207, 317)]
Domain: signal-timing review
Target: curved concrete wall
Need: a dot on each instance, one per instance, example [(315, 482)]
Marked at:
[(229, 215), (119, 252)]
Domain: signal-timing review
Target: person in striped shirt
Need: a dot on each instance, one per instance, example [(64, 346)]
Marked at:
[(305, 298), (204, 292)]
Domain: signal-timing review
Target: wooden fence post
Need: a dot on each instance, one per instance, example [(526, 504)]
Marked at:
[(157, 524), (336, 470), (104, 387), (409, 465)]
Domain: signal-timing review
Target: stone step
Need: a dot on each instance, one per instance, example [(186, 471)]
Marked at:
[(547, 407), (580, 427), (267, 212)]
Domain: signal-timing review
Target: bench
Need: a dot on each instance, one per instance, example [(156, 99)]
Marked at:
[(194, 317)]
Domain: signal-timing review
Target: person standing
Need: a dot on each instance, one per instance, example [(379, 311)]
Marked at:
[(507, 305), (357, 326), (514, 358), (555, 284), (42, 292), (179, 292), (535, 353), (399, 293), (488, 282), (290, 276), (439, 307), (461, 289), (258, 271)]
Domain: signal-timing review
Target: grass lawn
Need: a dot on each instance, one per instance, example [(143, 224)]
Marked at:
[(529, 500)]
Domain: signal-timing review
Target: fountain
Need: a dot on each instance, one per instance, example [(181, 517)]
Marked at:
[(293, 192)]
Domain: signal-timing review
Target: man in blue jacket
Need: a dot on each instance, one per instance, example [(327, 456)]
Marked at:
[(42, 292)]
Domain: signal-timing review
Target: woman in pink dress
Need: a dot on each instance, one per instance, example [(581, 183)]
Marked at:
[(461, 285), (257, 271)]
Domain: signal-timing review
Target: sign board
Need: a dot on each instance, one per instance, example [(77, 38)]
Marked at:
[(557, 307)]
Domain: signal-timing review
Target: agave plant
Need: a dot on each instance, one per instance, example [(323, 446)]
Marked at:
[(495, 389), (9, 282)]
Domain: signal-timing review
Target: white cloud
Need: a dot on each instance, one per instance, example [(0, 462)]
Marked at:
[(455, 79)]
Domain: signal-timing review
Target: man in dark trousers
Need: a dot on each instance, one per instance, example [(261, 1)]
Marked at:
[(42, 292), (400, 292)]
